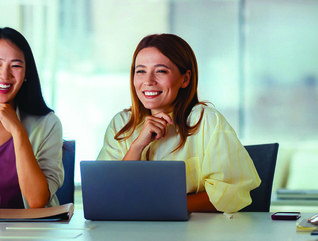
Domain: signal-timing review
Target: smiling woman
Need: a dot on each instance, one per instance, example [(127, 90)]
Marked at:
[(12, 71), (167, 122), (31, 167)]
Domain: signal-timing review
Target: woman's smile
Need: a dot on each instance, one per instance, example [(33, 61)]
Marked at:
[(5, 88), (152, 94)]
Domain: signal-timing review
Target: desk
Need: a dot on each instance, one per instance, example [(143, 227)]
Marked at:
[(201, 227)]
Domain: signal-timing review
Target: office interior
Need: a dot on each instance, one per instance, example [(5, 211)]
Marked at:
[(258, 64)]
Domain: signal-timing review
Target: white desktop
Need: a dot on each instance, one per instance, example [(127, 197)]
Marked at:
[(201, 226)]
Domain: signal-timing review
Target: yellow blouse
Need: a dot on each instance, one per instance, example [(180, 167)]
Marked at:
[(215, 159)]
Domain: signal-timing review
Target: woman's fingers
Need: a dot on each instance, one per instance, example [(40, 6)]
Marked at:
[(9, 118), (156, 126), (164, 120), (163, 116)]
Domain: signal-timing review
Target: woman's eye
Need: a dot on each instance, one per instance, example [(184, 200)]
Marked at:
[(19, 66), (140, 71), (162, 71)]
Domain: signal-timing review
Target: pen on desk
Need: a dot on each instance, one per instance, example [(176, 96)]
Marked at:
[(313, 219)]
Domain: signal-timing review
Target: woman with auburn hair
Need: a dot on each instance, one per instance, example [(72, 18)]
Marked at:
[(31, 168), (167, 122)]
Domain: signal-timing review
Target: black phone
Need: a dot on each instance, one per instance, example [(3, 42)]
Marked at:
[(286, 215)]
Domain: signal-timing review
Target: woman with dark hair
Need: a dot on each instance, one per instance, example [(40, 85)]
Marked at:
[(167, 122), (31, 168)]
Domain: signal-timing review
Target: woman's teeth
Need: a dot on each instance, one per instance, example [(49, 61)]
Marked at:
[(5, 86), (152, 93)]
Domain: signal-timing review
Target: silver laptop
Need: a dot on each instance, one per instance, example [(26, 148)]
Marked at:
[(134, 190)]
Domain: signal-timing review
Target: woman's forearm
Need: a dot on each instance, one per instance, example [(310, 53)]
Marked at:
[(134, 153), (199, 202), (32, 181)]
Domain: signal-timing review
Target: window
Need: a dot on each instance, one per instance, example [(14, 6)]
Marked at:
[(257, 61)]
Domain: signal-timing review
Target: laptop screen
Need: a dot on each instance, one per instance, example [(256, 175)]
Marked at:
[(134, 190)]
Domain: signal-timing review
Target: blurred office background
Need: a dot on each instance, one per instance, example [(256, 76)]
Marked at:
[(258, 64)]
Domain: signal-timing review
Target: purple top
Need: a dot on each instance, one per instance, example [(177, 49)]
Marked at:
[(10, 193)]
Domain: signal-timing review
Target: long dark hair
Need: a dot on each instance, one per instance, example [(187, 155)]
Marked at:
[(29, 98), (182, 55)]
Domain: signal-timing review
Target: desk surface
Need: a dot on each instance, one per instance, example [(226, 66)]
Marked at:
[(201, 226)]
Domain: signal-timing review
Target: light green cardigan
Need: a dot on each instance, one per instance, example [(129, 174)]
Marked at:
[(45, 135)]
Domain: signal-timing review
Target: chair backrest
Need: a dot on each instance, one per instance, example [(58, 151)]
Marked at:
[(65, 193), (264, 157)]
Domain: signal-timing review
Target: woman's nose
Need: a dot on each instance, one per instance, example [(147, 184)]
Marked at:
[(4, 73), (150, 79)]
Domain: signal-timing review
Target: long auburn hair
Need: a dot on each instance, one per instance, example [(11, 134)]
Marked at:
[(182, 55), (29, 98)]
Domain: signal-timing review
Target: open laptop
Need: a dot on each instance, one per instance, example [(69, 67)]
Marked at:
[(134, 190)]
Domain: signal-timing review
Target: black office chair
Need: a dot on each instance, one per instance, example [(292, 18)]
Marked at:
[(264, 157), (65, 193)]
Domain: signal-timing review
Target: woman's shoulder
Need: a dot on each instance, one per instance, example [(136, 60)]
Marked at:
[(121, 118), (122, 115), (48, 121), (52, 119), (211, 115), (208, 109), (203, 106)]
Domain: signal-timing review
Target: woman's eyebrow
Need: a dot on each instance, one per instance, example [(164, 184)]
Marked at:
[(140, 66), (162, 65), (156, 65), (14, 60), (17, 60)]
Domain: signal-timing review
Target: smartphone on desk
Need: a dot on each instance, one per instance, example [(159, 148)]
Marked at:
[(286, 216)]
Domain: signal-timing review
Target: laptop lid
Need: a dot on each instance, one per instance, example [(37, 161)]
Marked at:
[(134, 190)]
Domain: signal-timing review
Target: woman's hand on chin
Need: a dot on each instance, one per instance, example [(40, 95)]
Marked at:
[(155, 127), (9, 119)]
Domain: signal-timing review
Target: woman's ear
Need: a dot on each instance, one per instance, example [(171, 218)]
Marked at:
[(186, 79)]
